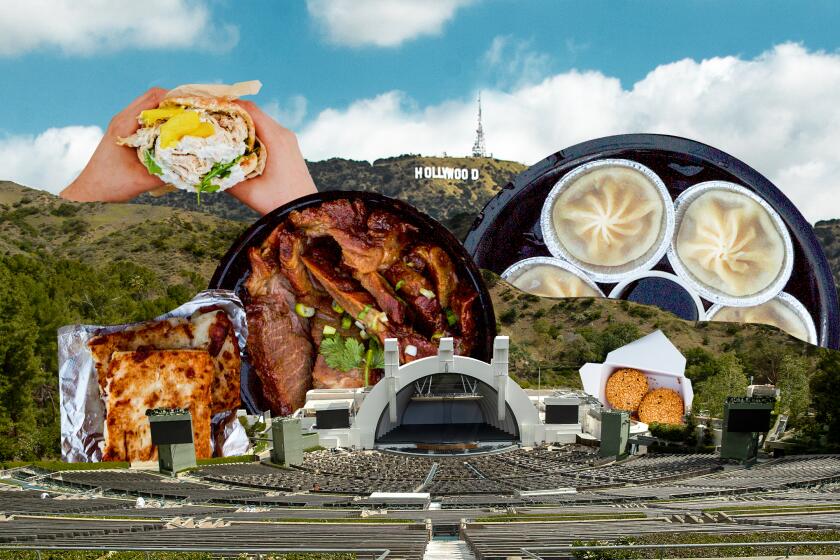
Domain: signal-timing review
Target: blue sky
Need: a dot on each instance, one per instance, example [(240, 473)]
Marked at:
[(366, 79), (281, 44)]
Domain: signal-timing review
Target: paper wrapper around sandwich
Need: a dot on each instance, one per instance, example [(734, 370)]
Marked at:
[(83, 410), (654, 355), (225, 91)]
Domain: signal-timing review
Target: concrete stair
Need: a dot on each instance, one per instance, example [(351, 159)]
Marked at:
[(448, 550)]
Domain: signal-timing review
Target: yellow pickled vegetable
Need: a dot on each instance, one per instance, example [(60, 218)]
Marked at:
[(151, 116), (204, 130), (183, 124)]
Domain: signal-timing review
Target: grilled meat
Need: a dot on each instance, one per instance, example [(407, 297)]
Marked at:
[(343, 264), (290, 246), (414, 289), (440, 268), (278, 339)]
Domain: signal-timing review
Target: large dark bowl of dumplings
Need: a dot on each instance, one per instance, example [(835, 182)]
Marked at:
[(509, 230)]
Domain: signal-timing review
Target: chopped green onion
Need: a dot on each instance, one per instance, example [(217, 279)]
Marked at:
[(346, 322), (399, 285), (364, 312), (427, 293), (329, 330), (304, 310), (337, 308), (451, 318)]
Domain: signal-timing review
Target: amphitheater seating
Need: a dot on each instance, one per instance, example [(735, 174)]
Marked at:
[(492, 541), (255, 503), (403, 540), (14, 501)]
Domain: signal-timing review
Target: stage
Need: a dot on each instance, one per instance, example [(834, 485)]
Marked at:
[(442, 434)]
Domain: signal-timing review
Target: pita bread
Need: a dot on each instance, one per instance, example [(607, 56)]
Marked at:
[(140, 380), (252, 163)]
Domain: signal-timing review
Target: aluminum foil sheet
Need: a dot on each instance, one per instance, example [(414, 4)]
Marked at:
[(791, 303), (620, 288), (82, 407), (514, 270)]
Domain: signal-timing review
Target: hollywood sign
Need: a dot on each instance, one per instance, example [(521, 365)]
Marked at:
[(457, 173)]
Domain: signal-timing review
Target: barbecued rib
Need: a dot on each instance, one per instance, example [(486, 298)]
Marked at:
[(391, 234), (440, 268), (412, 285), (406, 337), (289, 248), (344, 221), (368, 243), (278, 339), (463, 305), (383, 293), (347, 293)]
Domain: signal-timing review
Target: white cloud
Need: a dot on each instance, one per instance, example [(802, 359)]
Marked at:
[(85, 27), (778, 112), (381, 23), (50, 160), (291, 113), (513, 62)]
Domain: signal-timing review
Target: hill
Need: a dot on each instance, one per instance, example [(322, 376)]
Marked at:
[(552, 338), (454, 202), (176, 244)]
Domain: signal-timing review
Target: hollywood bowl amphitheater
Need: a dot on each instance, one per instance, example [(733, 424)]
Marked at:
[(446, 457)]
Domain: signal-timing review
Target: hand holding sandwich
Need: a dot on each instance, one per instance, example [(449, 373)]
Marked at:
[(113, 173), (285, 176), (174, 151)]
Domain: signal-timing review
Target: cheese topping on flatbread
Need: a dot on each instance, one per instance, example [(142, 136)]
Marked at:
[(143, 379), (209, 330)]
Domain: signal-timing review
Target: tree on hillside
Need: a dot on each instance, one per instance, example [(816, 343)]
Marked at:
[(825, 386), (20, 372), (727, 380), (794, 392), (700, 364)]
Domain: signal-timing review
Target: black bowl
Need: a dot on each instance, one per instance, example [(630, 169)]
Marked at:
[(508, 229), (234, 267)]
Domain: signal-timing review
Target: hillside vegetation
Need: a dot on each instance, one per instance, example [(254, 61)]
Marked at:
[(176, 244), (550, 339)]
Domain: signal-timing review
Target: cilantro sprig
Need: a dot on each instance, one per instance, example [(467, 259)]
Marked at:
[(345, 354), (342, 354), (220, 170)]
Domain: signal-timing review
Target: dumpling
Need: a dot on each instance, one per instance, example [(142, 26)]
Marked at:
[(545, 280), (730, 243), (609, 216), (774, 313)]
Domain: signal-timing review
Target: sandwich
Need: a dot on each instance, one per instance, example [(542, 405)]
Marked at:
[(199, 140)]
